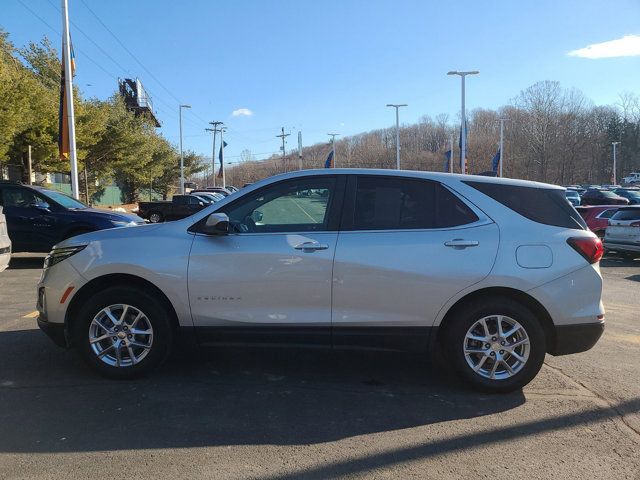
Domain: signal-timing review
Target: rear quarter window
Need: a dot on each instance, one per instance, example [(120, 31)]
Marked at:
[(547, 206)]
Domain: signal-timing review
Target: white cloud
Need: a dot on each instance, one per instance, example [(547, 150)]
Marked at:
[(242, 112), (627, 46)]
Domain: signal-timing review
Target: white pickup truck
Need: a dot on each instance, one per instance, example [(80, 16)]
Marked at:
[(634, 177)]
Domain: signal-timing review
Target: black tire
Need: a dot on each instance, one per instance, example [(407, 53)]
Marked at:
[(156, 217), (465, 317), (158, 317)]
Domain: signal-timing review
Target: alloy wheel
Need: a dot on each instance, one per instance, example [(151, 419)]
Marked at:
[(120, 335), (496, 347)]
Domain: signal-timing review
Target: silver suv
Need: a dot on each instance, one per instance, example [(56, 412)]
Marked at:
[(493, 272)]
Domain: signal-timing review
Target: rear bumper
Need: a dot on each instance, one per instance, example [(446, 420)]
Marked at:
[(624, 247), (55, 331), (576, 338)]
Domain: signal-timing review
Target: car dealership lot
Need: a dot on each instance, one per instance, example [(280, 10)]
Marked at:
[(315, 414)]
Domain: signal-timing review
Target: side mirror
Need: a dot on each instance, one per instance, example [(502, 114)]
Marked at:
[(217, 224), (256, 216)]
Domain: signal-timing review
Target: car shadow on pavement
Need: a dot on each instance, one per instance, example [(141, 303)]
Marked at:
[(51, 402)]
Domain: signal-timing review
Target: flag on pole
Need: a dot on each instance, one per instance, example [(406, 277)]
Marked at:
[(329, 162), (63, 115), (495, 162), (221, 158), (447, 160)]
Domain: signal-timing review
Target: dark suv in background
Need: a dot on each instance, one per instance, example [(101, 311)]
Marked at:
[(38, 218)]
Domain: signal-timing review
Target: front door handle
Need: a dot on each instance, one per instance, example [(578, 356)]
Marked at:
[(459, 243), (311, 246)]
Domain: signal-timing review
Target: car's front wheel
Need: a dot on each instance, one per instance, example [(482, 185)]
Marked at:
[(495, 344), (123, 332)]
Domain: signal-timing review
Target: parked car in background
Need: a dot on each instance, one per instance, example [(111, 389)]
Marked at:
[(633, 177), (5, 243), (38, 218), (573, 196), (597, 217), (631, 194), (232, 189), (212, 197), (220, 190), (623, 232), (180, 206), (602, 197), (493, 272)]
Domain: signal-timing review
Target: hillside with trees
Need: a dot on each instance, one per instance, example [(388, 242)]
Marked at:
[(552, 134)]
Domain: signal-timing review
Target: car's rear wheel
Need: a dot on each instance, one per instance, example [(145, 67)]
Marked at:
[(123, 332), (156, 217), (495, 344)]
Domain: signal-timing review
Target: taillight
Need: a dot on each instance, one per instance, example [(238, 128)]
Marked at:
[(590, 248), (635, 224)]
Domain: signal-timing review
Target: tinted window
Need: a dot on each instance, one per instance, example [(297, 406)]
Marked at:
[(181, 200), (20, 197), (627, 214), (542, 205), (608, 213), (384, 203), (293, 206)]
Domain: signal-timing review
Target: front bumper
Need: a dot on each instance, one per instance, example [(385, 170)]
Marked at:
[(576, 338), (55, 331)]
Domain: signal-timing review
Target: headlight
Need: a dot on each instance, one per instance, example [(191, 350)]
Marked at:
[(59, 254), (123, 223)]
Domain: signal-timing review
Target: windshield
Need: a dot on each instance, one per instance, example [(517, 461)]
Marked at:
[(64, 200), (608, 194), (572, 193)]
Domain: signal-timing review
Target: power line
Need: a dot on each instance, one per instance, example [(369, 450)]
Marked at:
[(134, 57)]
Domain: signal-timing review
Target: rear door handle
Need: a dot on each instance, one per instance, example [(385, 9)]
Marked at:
[(459, 243), (311, 246)]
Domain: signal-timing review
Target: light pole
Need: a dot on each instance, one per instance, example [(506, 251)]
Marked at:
[(397, 107), (214, 130), (333, 146), (181, 154), (614, 162), (463, 129)]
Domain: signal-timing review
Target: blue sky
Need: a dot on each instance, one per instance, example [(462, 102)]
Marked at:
[(332, 66)]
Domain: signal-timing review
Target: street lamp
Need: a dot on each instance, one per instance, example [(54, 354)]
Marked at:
[(181, 154), (463, 132), (397, 106), (614, 161)]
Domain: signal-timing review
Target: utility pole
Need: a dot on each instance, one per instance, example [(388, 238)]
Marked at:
[(29, 164), (501, 147), (224, 181), (214, 130), (299, 150), (463, 128), (614, 176), (283, 136), (181, 153), (333, 145), (397, 106), (68, 91)]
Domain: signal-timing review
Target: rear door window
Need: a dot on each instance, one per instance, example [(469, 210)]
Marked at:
[(391, 203), (627, 214), (542, 205)]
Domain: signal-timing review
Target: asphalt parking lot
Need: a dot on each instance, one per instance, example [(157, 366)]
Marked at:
[(293, 414)]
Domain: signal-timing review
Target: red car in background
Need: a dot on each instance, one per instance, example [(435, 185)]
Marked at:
[(597, 217)]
